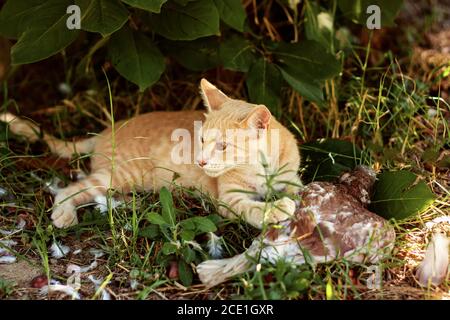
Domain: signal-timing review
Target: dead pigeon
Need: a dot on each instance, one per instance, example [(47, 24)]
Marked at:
[(331, 222)]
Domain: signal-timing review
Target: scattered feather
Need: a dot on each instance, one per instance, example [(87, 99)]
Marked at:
[(98, 287), (134, 284), (74, 279), (59, 250), (194, 245), (214, 245), (3, 192), (7, 259), (78, 251), (21, 224), (66, 289), (97, 253), (102, 204), (8, 243), (5, 246), (52, 186), (64, 88), (438, 220)]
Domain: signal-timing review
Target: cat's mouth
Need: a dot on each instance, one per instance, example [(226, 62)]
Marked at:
[(214, 173)]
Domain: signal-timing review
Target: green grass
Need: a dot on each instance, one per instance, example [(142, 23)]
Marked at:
[(381, 109)]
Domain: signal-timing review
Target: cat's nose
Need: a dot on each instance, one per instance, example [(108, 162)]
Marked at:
[(202, 163)]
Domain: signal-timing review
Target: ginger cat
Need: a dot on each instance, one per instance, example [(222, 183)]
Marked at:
[(139, 155)]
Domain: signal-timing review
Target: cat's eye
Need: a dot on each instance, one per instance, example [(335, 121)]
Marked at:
[(202, 140), (221, 146)]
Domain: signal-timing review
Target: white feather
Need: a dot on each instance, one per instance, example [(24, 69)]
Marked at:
[(434, 266), (7, 259), (214, 245), (58, 250), (102, 203), (68, 290), (98, 286)]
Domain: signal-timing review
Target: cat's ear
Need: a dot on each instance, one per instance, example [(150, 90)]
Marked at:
[(259, 118), (212, 97)]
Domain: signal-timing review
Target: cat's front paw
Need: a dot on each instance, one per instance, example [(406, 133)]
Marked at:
[(281, 210), (64, 215)]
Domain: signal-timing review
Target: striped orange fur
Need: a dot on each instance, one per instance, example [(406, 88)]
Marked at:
[(138, 155)]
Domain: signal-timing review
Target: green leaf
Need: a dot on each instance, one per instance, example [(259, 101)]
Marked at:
[(326, 159), (158, 219), (187, 235), (151, 232), (264, 83), (136, 57), (203, 225), (15, 16), (398, 195), (236, 53), (103, 16), (185, 272), (197, 55), (188, 224), (168, 209), (305, 65), (149, 5), (188, 254), (307, 60), (232, 13), (169, 248), (356, 10), (311, 90), (195, 20), (183, 2), (45, 33)]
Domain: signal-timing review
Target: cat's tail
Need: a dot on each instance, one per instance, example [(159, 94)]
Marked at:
[(32, 132), (213, 272)]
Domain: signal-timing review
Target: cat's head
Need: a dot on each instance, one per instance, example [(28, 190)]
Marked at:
[(232, 133)]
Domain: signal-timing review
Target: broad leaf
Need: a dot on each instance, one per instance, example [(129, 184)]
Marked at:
[(188, 254), (15, 15), (183, 2), (45, 33), (151, 232), (156, 218), (399, 195), (149, 5), (168, 208), (187, 235), (197, 55), (326, 159), (357, 10), (307, 60), (169, 248), (103, 16), (195, 20), (264, 83), (305, 65), (185, 272), (188, 224), (232, 13), (204, 225), (136, 58), (236, 53), (309, 89)]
